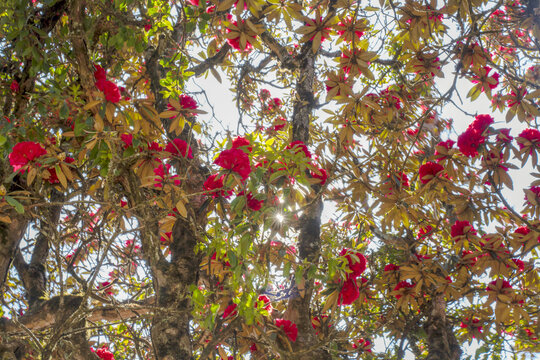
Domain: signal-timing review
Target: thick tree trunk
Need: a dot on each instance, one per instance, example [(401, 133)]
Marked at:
[(307, 345), (442, 343)]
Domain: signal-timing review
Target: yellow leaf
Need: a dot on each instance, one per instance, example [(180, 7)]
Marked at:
[(181, 208), (31, 176), (61, 176), (91, 104)]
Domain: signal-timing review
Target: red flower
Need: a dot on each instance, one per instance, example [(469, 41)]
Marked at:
[(213, 183), (391, 267), (100, 73), (187, 102), (235, 160), (321, 175), (504, 284), (403, 285), (504, 136), (127, 139), (154, 147), (357, 262), (469, 141), (483, 77), (253, 203), (461, 228), (520, 264), (240, 141), (298, 146), (425, 231), (104, 353), (274, 103), (466, 323), (429, 171), (534, 189), (53, 177), (288, 327), (25, 152), (470, 261), (447, 145), (267, 305), (364, 345), (230, 311), (14, 86), (111, 91), (349, 292), (179, 147), (531, 135), (481, 122)]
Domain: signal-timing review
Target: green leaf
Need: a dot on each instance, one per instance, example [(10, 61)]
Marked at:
[(17, 205)]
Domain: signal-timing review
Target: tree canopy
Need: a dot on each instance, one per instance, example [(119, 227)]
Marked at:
[(135, 225)]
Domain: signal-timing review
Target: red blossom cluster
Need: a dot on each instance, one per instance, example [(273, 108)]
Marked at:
[(111, 91), (473, 137), (356, 265), (25, 152), (288, 327), (429, 171), (103, 353)]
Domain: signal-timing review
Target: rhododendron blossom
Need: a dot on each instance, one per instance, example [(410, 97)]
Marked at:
[(288, 327), (429, 171), (24, 153), (531, 137), (235, 160), (299, 146), (213, 183), (180, 148)]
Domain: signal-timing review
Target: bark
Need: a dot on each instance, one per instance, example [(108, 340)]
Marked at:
[(442, 343), (309, 243)]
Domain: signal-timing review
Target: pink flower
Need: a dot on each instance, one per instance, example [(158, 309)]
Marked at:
[(288, 327), (504, 136), (298, 146), (180, 148), (230, 311), (25, 152), (240, 141), (147, 27), (349, 292), (429, 171), (235, 160), (127, 139)]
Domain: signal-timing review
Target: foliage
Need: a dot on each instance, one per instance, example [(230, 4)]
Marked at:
[(137, 230)]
